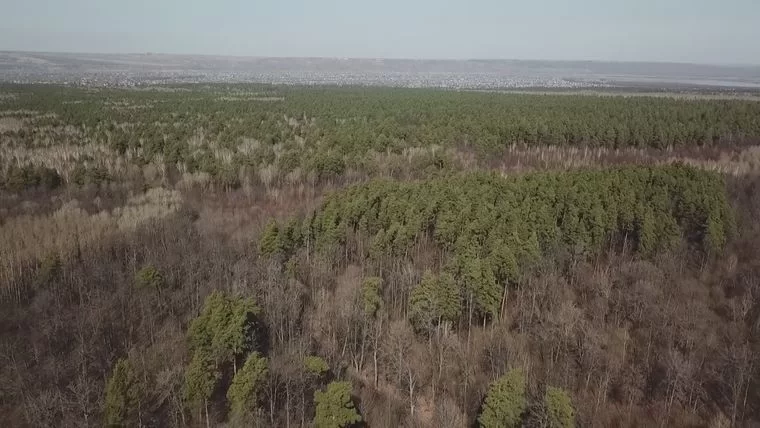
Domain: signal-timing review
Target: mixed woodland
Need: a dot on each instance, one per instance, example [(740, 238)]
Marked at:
[(256, 255)]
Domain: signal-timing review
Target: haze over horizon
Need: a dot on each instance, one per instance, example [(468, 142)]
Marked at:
[(698, 31)]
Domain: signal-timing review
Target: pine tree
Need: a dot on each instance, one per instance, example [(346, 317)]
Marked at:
[(433, 301), (246, 387), (223, 328), (715, 236), (481, 287), (121, 396), (201, 377), (505, 402), (371, 300), (647, 230), (559, 408), (532, 248), (334, 407), (149, 277), (504, 263), (315, 365), (269, 244)]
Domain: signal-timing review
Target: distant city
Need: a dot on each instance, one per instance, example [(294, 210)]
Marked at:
[(134, 70)]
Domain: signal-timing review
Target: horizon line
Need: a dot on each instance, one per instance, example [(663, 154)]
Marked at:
[(147, 53)]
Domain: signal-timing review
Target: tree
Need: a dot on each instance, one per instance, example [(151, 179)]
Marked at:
[(371, 296), (235, 338), (315, 365), (223, 329), (559, 408), (647, 232), (715, 236), (334, 406), (505, 401), (149, 277), (247, 385), (201, 377), (270, 240), (433, 301), (484, 294), (122, 396), (504, 264)]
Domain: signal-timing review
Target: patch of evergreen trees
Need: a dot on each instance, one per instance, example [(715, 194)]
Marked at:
[(492, 227)]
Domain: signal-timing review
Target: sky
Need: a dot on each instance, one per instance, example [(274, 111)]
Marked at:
[(697, 31)]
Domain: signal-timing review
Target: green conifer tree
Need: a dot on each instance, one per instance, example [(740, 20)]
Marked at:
[(121, 396), (245, 390), (371, 300), (315, 365), (201, 377), (559, 409), (433, 301), (269, 244), (334, 407), (505, 402), (149, 277)]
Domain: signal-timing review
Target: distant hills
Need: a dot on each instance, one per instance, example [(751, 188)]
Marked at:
[(151, 68)]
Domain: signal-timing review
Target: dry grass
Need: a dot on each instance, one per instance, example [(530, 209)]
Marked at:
[(10, 124)]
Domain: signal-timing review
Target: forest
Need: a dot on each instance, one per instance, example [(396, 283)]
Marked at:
[(258, 255)]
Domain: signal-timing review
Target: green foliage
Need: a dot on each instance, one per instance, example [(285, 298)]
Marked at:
[(328, 131), (316, 365), (505, 402), (479, 285), (220, 334), (559, 408), (371, 299), (28, 177), (247, 385), (82, 175), (433, 301), (328, 165), (715, 233), (282, 241), (493, 227), (647, 233), (269, 244), (201, 377), (504, 263), (223, 329), (121, 396), (149, 277), (334, 407), (497, 223)]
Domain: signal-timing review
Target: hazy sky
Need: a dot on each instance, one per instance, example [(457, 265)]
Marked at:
[(706, 31)]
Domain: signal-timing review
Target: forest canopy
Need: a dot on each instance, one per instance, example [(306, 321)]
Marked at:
[(271, 134), (258, 255)]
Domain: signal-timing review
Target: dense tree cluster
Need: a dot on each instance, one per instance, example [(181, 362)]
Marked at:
[(238, 133), (493, 227), (28, 177), (371, 270), (492, 217)]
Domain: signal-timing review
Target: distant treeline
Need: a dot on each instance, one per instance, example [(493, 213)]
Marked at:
[(229, 131)]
